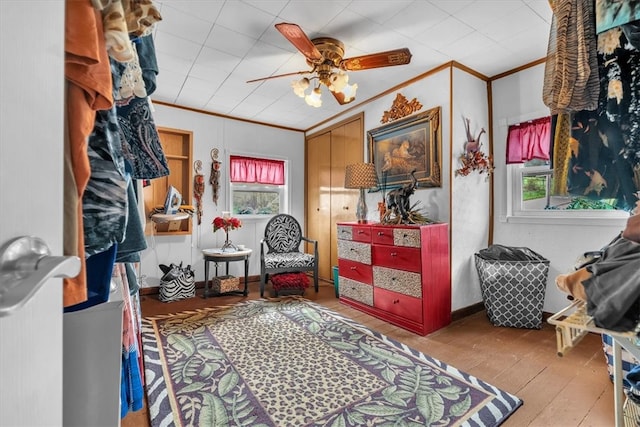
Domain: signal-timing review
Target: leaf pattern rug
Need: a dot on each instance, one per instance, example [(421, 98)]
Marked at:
[(292, 362)]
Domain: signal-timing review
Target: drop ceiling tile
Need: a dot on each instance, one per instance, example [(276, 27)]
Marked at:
[(207, 10), (185, 26), (178, 47), (245, 19), (378, 11), (226, 40), (195, 92), (216, 59), (312, 16), (414, 20), (173, 65)]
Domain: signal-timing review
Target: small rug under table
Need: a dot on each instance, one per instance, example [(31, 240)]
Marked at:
[(292, 362)]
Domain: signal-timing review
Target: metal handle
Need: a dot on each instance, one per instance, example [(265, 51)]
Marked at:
[(25, 265)]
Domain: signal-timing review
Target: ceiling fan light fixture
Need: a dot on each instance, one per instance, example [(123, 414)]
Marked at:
[(338, 80), (314, 98), (349, 92), (299, 86)]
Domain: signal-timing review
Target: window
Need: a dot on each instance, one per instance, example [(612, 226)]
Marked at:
[(533, 189), (531, 186), (258, 186)]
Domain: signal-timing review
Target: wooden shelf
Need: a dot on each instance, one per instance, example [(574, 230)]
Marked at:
[(177, 145)]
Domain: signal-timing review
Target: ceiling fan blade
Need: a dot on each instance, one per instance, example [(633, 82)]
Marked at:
[(301, 41), (295, 73), (377, 60)]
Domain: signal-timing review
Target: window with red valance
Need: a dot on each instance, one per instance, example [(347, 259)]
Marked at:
[(529, 140), (252, 170)]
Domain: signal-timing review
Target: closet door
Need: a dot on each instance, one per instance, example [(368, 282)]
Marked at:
[(327, 201), (318, 155), (346, 148)]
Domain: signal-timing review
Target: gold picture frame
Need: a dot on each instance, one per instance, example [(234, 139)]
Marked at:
[(410, 144)]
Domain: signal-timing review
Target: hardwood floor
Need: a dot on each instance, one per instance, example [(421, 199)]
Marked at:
[(573, 390)]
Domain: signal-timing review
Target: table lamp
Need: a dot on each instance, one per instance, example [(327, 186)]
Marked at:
[(361, 176)]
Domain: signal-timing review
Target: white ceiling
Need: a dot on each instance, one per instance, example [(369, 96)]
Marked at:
[(208, 49)]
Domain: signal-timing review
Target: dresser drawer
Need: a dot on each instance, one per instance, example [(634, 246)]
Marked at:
[(397, 257), (354, 251), (357, 233), (404, 306), (355, 270), (406, 237), (404, 282), (356, 291), (382, 235)]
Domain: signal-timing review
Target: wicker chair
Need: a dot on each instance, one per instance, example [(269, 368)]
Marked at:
[(280, 250)]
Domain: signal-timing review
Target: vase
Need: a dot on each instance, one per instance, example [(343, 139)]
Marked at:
[(228, 244)]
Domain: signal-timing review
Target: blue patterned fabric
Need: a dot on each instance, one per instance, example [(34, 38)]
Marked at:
[(104, 201)]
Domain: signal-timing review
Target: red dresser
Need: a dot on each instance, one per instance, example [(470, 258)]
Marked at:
[(398, 273)]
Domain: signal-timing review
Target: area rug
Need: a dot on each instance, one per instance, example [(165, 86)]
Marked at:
[(292, 362)]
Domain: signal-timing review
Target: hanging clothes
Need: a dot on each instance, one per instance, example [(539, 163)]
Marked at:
[(571, 69), (88, 89)]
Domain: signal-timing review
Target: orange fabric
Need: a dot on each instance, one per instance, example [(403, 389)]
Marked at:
[(89, 88)]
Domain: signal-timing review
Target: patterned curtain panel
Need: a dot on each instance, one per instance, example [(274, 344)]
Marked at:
[(528, 141), (256, 171)]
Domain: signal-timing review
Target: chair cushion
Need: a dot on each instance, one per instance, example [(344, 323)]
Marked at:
[(291, 259), (283, 234)]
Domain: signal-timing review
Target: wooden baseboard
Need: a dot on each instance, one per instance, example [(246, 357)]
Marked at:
[(154, 290), (466, 311)]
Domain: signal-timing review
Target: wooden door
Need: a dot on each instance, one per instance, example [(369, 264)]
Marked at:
[(319, 198), (328, 202), (346, 148)]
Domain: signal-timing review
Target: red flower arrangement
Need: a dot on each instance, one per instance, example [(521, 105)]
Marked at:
[(226, 224)]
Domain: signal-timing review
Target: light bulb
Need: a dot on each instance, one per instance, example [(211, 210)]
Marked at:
[(299, 86), (349, 92), (313, 99)]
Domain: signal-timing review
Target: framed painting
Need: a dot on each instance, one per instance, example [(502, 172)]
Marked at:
[(407, 145)]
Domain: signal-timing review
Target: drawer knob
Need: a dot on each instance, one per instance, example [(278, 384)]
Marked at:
[(396, 301), (394, 254), (380, 233), (360, 232), (353, 267)]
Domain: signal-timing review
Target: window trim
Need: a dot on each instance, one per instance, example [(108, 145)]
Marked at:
[(515, 213), (284, 189)]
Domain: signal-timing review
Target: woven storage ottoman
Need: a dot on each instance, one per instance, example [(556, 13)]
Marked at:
[(223, 284), (513, 283)]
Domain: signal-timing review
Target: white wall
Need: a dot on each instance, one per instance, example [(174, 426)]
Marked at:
[(469, 194), (230, 137), (516, 98)]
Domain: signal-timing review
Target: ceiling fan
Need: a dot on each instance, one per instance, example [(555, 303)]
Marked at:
[(325, 56)]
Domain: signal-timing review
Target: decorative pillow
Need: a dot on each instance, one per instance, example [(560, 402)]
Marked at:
[(289, 281)]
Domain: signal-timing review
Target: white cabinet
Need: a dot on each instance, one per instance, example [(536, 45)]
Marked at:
[(92, 359)]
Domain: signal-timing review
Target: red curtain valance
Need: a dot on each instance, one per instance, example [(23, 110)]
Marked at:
[(256, 171), (529, 140)]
